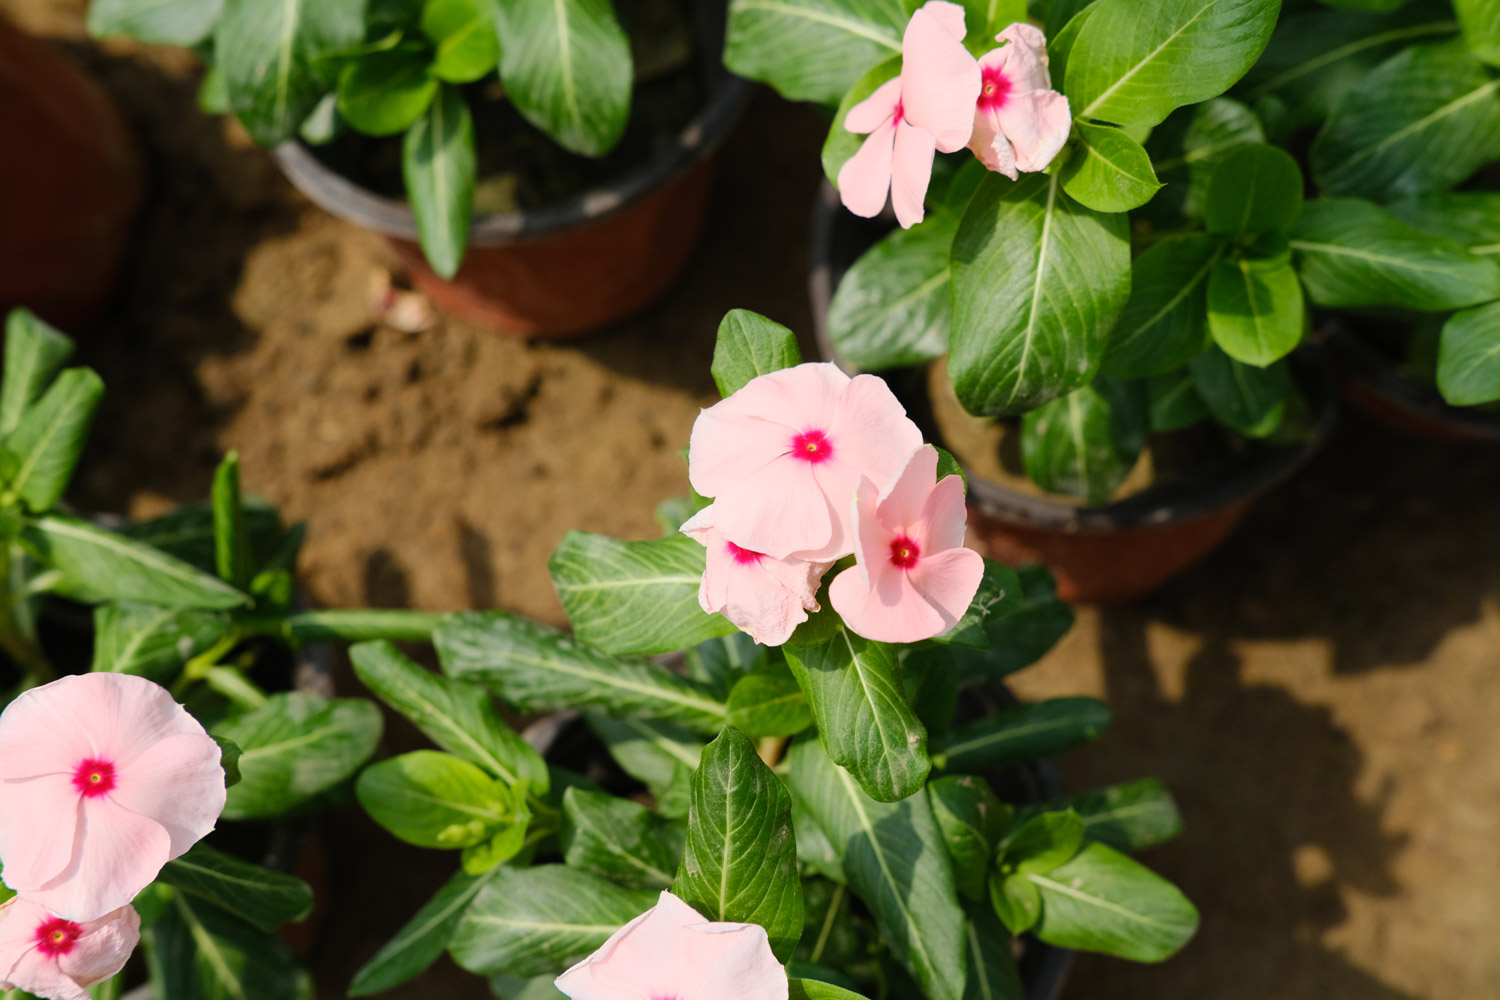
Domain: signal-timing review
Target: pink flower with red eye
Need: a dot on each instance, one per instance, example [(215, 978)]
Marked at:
[(1020, 122), (671, 952), (51, 957), (783, 455), (928, 109), (103, 779), (913, 578), (767, 598)]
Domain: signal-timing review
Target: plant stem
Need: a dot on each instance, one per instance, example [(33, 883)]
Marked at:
[(357, 625), (771, 748)]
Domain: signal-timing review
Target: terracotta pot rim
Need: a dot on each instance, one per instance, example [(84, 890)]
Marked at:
[(1256, 472), (393, 217)]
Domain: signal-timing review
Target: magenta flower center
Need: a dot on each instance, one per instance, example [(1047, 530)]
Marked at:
[(56, 937), (899, 115), (995, 89), (904, 552), (812, 447), (94, 777), (743, 557)]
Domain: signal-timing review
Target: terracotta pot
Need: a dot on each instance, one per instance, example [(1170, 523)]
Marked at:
[(573, 266), (72, 182), (1114, 552)]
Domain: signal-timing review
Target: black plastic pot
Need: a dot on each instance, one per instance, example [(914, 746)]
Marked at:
[(575, 265), (1111, 552)]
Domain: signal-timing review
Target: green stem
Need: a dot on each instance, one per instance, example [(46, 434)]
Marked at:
[(354, 625), (198, 667)]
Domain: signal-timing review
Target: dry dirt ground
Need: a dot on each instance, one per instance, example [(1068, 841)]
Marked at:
[(1323, 694)]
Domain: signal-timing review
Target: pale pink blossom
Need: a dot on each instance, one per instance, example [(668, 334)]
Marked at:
[(926, 110), (103, 779), (913, 578), (767, 598), (671, 952), (49, 956), (1020, 122), (783, 455)]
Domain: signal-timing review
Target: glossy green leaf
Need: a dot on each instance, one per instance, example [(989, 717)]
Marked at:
[(259, 896), (1470, 218), (812, 989), (1103, 901), (633, 597), (187, 532), (1188, 148), (156, 22), (1022, 732), (538, 921), (812, 50), (1041, 843), (1255, 309), (740, 862), (1110, 172), (1164, 324), (34, 353), (998, 595), (840, 144), (466, 36), (992, 965), (295, 746), (1256, 189), (539, 669), (1175, 402), (1086, 443), (1020, 638), (383, 93), (1015, 901), (566, 66), (1480, 20), (440, 165), (195, 951), (232, 556), (1468, 371), (1132, 65), (620, 840), (1129, 817), (1249, 399), (50, 436), (973, 822), (749, 345), (1038, 282), (721, 662), (893, 307), (422, 939), (434, 799), (152, 641), (769, 702), (657, 754)]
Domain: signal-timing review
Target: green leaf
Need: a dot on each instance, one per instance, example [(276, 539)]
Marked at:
[(1249, 399), (1132, 65), (156, 22), (383, 93), (1480, 20), (1103, 901), (1470, 218), (466, 36), (740, 863), (769, 702), (476, 859), (566, 66), (434, 799), (229, 760), (1353, 253), (1188, 148), (992, 965), (749, 345), (539, 669), (259, 896), (721, 662), (893, 308), (1038, 282), (812, 50), (984, 19), (812, 989), (1086, 443), (1424, 120), (1255, 309), (538, 921), (620, 840), (422, 939), (1175, 402), (894, 858), (34, 353), (1128, 817), (633, 597), (440, 164), (187, 532), (1110, 172), (458, 716), (840, 144), (97, 565), (1256, 189), (1468, 371), (50, 436), (654, 753), (275, 58), (1163, 326), (196, 951), (864, 720), (973, 822), (1016, 901), (1019, 639), (295, 746), (998, 595), (232, 556), (1041, 843), (152, 641), (1022, 732)]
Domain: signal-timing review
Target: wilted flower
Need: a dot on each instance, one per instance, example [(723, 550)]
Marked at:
[(51, 957), (1020, 122)]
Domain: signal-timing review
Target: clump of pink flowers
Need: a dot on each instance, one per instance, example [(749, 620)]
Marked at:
[(807, 466), (1001, 105)]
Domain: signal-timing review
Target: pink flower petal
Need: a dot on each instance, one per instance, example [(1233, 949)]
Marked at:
[(767, 598), (875, 110), (41, 733), (179, 783), (731, 962), (943, 515), (778, 511), (947, 582), (1027, 47), (38, 817), (865, 177), (903, 497), (874, 435), (726, 448), (990, 144), (949, 15), (892, 611), (939, 81), (116, 854), (911, 172), (103, 947), (99, 950), (1038, 126)]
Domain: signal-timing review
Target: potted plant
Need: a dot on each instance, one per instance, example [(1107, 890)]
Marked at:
[(554, 196), (809, 789)]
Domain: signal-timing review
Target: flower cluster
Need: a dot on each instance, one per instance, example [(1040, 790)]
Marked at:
[(103, 780), (806, 466), (1002, 106)]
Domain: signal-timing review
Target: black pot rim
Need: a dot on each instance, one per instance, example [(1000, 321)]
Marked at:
[(1261, 469), (393, 217)]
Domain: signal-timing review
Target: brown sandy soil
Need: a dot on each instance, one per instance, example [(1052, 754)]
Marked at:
[(1321, 695)]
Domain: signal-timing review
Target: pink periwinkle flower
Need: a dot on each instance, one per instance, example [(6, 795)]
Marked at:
[(671, 952), (52, 957), (1020, 122), (783, 455), (913, 578), (926, 110), (103, 779), (767, 598)]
